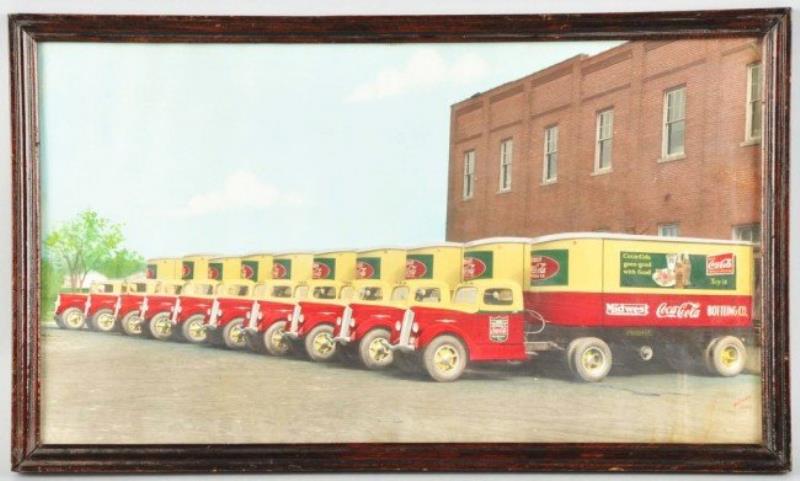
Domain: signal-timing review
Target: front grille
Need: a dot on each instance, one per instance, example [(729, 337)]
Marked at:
[(212, 318), (347, 316), (175, 309), (295, 325), (252, 323), (405, 329)]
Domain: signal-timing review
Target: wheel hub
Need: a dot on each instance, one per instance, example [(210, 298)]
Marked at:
[(74, 319), (592, 359), (379, 349), (196, 330), (323, 343), (106, 321), (277, 340), (729, 356), (445, 358)]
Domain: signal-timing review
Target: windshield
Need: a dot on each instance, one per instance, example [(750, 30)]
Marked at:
[(102, 288), (261, 290), (370, 293), (466, 295), (400, 293), (326, 292), (193, 289), (137, 287), (282, 291), (428, 295), (236, 290), (301, 292), (169, 289), (498, 297)]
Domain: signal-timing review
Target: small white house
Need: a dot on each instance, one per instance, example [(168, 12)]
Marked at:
[(91, 276)]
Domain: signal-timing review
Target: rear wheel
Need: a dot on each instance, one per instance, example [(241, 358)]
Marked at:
[(131, 324), (274, 341), (193, 330), (72, 318), (320, 345), (160, 327), (591, 358), (445, 358), (374, 349), (233, 334), (103, 320), (727, 356)]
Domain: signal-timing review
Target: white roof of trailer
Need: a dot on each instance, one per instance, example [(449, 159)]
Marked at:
[(633, 237), (257, 254), (385, 248), (290, 253), (337, 251), (499, 240), (436, 245)]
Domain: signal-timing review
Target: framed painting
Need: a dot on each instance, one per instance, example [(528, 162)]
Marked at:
[(420, 243)]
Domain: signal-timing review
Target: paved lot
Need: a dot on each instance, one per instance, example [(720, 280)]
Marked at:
[(100, 388)]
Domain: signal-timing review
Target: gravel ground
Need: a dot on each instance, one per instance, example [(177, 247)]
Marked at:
[(108, 388)]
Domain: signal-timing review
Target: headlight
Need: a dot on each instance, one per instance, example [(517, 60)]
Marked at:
[(352, 323), (415, 328), (208, 312), (338, 321), (397, 326), (219, 312)]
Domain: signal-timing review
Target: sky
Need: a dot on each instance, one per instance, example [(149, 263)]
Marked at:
[(242, 148)]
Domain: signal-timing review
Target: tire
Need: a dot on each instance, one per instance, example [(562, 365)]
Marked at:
[(591, 359), (233, 335), (273, 341), (707, 354), (319, 343), (103, 321), (59, 321), (73, 318), (728, 356), (570, 354), (159, 327), (445, 358), (374, 350), (193, 330), (131, 324)]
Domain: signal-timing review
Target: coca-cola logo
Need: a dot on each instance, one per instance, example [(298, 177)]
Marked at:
[(543, 268), (321, 270), (365, 270), (685, 310), (213, 272), (415, 269), (720, 265), (247, 272), (279, 271), (473, 268)]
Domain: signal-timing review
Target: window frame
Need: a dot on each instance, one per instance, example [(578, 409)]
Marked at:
[(665, 124), (754, 227), (468, 178), (547, 179), (598, 169), (665, 225), (503, 186), (748, 127)]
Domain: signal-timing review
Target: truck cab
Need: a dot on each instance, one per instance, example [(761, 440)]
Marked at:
[(313, 318), (99, 308)]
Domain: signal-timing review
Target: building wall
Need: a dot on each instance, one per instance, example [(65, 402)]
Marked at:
[(713, 188)]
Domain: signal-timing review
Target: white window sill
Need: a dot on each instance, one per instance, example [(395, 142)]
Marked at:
[(601, 172), (749, 142), (549, 181), (503, 191), (671, 158), (465, 199)]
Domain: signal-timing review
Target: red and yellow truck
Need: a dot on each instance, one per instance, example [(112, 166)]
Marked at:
[(225, 322), (429, 274), (157, 310), (313, 319), (587, 296), (162, 275), (274, 302)]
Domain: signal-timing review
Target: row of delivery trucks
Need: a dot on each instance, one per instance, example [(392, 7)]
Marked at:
[(590, 298)]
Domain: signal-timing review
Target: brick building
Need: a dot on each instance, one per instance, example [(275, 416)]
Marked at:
[(645, 138)]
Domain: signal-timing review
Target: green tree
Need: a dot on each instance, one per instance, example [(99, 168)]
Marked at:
[(83, 244), (51, 281), (121, 264)]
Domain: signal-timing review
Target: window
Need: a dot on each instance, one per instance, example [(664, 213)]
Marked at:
[(282, 291), (469, 174), (400, 293), (370, 294), (506, 155), (261, 291), (429, 295), (747, 232), (753, 122), (466, 295), (668, 230), (324, 292), (674, 122), (498, 297), (347, 293), (550, 154), (301, 292), (605, 132)]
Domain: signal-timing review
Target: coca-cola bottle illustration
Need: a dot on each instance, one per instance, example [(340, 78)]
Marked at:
[(683, 271)]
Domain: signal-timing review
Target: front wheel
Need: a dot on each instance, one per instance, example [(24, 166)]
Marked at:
[(591, 358), (726, 356), (193, 330), (320, 345), (445, 358), (374, 349), (233, 334), (103, 320), (131, 324), (160, 327), (274, 341), (73, 318)]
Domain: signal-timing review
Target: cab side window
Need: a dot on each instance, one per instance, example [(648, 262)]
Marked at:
[(433, 295), (466, 295), (498, 297)]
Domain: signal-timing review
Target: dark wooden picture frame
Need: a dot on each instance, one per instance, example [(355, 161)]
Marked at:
[(30, 455)]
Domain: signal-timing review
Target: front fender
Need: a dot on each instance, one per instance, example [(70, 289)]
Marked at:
[(435, 329), (363, 327), (185, 314)]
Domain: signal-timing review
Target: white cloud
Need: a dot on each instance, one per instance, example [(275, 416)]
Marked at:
[(423, 69), (240, 190)]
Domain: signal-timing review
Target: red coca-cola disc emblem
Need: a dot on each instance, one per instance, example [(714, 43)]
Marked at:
[(543, 268), (473, 268), (186, 271), (415, 269), (247, 272), (213, 273), (279, 271), (365, 270), (321, 271), (151, 273)]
